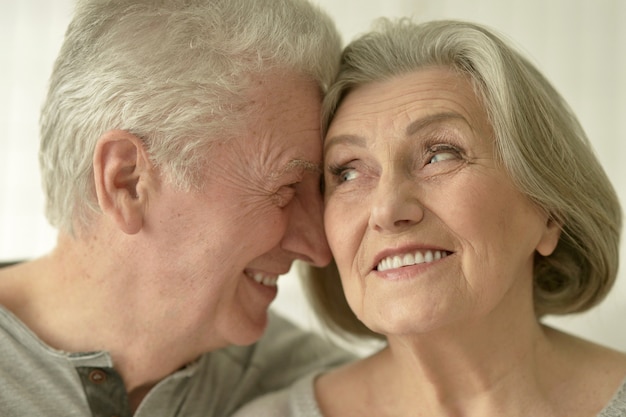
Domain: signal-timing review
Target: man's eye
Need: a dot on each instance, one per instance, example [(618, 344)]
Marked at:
[(285, 194)]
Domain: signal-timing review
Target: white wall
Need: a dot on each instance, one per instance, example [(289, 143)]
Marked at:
[(579, 44), (31, 32)]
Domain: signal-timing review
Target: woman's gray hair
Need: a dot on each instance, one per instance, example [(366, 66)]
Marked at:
[(172, 72), (538, 141)]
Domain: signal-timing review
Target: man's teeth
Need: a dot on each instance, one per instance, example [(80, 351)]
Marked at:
[(393, 262), (268, 280)]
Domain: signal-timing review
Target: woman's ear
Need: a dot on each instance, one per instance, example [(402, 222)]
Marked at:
[(550, 237), (121, 169)]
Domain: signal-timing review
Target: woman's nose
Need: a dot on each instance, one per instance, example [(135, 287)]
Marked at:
[(395, 204)]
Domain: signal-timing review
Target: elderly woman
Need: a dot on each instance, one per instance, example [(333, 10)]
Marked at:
[(462, 203), (180, 156)]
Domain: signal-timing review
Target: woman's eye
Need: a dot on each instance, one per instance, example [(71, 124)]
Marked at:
[(348, 175), (442, 153), (342, 173), (444, 156)]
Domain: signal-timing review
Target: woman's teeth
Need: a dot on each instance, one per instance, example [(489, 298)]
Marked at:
[(408, 259)]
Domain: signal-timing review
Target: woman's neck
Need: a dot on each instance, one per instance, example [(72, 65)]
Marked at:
[(495, 367)]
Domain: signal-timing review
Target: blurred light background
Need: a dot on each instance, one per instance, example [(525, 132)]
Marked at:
[(579, 44)]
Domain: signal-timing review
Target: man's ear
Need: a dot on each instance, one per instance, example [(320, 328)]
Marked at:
[(122, 170)]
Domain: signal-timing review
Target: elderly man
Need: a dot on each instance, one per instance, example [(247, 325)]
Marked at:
[(180, 158)]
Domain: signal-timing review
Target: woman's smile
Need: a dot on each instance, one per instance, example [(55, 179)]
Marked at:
[(409, 259)]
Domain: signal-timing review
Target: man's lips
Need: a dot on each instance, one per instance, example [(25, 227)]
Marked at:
[(264, 278), (409, 258)]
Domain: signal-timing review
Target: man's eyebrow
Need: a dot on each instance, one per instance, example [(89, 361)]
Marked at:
[(306, 165), (299, 164), (427, 121)]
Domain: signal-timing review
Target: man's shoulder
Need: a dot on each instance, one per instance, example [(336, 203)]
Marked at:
[(237, 374), (283, 339), (286, 352)]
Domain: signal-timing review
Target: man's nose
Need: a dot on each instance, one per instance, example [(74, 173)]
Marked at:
[(305, 236)]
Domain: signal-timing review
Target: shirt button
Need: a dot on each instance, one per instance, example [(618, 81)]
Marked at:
[(97, 376)]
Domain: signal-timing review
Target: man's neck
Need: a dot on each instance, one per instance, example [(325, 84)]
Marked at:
[(82, 310)]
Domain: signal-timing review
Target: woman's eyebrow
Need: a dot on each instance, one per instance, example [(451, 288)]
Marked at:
[(343, 139), (425, 122), (413, 128)]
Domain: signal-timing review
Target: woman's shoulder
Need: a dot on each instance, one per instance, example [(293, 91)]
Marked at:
[(611, 369), (297, 400), (595, 375), (617, 406)]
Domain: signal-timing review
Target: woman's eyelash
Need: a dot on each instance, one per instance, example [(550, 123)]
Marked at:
[(439, 149), (338, 171), (443, 147)]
